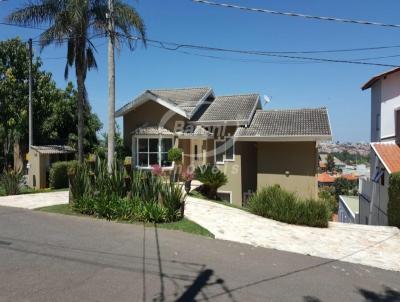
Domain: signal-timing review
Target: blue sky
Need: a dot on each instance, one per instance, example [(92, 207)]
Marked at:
[(291, 84)]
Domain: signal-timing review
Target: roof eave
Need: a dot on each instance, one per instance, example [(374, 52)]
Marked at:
[(286, 138)]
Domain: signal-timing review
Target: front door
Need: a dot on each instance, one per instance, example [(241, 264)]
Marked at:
[(196, 152)]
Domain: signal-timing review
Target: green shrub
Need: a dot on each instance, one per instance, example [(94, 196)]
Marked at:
[(330, 199), (11, 181), (278, 204), (59, 171), (175, 154), (105, 195), (394, 200), (212, 178)]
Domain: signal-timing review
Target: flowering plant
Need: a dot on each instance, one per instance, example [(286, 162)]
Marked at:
[(156, 170), (187, 175)]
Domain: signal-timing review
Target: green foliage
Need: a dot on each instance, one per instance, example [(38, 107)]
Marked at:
[(344, 186), (212, 178), (11, 180), (278, 204), (121, 151), (58, 177), (394, 200), (351, 159), (54, 109), (114, 196), (330, 163), (327, 196), (175, 154)]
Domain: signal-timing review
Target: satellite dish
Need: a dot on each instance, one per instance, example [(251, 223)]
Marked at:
[(267, 99)]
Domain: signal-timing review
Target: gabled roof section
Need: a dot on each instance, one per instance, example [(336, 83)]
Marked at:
[(290, 124), (53, 149), (184, 101), (389, 155), (234, 109), (378, 77)]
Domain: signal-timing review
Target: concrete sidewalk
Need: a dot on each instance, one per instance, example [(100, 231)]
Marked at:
[(35, 200), (369, 245)]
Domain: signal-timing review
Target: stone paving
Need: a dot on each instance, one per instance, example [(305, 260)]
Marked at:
[(369, 245), (35, 200)]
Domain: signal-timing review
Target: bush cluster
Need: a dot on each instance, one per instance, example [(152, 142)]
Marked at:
[(139, 196), (278, 204), (58, 176), (394, 200), (212, 178), (11, 181)]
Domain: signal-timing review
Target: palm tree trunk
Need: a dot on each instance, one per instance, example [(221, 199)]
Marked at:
[(111, 90), (81, 92)]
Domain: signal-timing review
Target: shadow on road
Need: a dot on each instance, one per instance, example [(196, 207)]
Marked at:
[(389, 295), (200, 278)]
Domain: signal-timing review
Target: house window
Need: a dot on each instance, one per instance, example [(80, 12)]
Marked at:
[(224, 150), (152, 151)]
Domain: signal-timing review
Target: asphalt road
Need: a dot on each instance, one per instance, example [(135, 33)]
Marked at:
[(50, 257)]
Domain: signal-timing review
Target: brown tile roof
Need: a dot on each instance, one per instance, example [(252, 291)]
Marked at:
[(389, 155), (378, 77)]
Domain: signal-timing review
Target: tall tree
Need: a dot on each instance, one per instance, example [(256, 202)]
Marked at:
[(75, 23), (330, 163), (54, 108)]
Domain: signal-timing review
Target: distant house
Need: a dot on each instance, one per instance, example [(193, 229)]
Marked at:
[(253, 147), (348, 209), (325, 180), (385, 148)]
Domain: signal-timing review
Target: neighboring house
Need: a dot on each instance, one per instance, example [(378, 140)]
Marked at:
[(253, 147), (385, 149), (325, 180), (348, 209), (40, 160)]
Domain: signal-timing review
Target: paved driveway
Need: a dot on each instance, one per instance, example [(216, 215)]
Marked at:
[(36, 200), (369, 245), (51, 257)]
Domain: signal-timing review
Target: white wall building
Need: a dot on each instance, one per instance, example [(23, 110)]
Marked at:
[(385, 153)]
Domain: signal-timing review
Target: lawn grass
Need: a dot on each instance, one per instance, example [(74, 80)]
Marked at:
[(184, 225)]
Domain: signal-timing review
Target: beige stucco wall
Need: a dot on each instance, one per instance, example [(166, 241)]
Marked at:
[(37, 169), (150, 114), (299, 159)]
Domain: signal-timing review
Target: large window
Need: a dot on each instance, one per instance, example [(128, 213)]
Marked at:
[(152, 151), (224, 150)]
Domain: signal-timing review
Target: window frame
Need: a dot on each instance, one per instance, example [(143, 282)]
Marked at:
[(148, 152), (224, 159)]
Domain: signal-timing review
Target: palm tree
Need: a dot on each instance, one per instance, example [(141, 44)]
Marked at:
[(76, 23)]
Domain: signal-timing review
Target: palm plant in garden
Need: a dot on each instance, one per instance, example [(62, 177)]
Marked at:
[(76, 23)]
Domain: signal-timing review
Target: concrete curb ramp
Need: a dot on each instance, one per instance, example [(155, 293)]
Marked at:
[(376, 246)]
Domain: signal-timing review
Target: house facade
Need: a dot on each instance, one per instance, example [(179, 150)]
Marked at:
[(253, 147), (385, 149)]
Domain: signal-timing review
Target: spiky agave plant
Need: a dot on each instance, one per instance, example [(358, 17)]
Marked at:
[(11, 181)]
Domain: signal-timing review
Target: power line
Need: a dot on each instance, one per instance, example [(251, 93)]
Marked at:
[(249, 52), (290, 14)]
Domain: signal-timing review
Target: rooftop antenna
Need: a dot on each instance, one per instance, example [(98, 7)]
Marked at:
[(267, 99)]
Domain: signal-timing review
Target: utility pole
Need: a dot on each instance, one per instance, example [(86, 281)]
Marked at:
[(111, 86), (30, 93)]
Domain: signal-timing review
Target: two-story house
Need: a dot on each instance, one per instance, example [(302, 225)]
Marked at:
[(385, 148), (253, 147)]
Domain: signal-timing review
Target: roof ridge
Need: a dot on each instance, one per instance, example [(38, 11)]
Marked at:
[(242, 94), (181, 88), (291, 109)]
